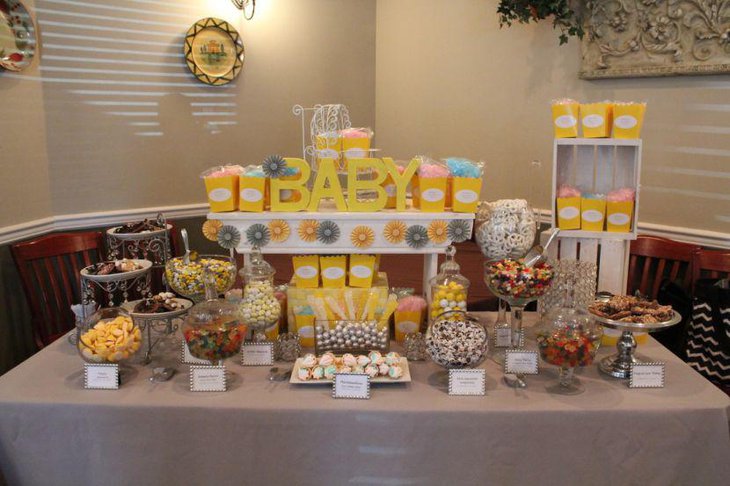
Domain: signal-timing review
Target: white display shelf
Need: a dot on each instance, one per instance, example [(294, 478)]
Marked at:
[(613, 142), (608, 235)]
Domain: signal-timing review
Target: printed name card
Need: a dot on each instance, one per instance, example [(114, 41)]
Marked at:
[(520, 362), (188, 358), (503, 337), (647, 375), (101, 376), (257, 354), (351, 385), (467, 382), (208, 378)]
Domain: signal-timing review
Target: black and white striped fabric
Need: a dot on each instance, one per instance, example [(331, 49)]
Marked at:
[(708, 340)]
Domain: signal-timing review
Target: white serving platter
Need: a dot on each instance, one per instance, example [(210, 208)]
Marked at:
[(113, 277), (406, 378), (186, 304)]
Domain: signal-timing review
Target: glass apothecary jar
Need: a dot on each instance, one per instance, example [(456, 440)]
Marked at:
[(109, 335), (457, 340), (449, 289), (260, 309)]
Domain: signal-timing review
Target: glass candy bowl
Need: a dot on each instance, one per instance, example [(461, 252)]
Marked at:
[(186, 279), (568, 338), (108, 336), (457, 340)]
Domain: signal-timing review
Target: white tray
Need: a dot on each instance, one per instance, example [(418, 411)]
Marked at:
[(406, 378), (186, 304), (115, 277)]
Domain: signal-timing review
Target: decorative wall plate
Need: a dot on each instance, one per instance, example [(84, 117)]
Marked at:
[(17, 36), (214, 51)]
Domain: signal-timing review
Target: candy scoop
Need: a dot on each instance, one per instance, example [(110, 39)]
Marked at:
[(537, 252)]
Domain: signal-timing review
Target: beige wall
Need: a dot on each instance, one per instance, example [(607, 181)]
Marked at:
[(450, 82), (115, 119)]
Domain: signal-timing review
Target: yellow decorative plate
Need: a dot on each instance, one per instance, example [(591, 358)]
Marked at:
[(214, 51)]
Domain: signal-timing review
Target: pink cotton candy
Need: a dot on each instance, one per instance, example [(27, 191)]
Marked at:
[(356, 133), (432, 171), (621, 195), (227, 170), (412, 303), (568, 191)]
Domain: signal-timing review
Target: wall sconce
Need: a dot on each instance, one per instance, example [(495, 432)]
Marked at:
[(248, 7)]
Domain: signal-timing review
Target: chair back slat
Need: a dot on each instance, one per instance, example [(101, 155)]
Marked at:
[(659, 259), (710, 264), (658, 281)]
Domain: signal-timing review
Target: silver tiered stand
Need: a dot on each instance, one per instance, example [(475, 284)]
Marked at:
[(161, 324), (152, 245), (619, 364)]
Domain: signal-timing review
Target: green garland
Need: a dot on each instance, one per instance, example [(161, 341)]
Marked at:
[(565, 17)]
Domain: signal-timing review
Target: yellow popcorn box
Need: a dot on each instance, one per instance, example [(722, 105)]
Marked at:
[(432, 194), (390, 190), (328, 145), (305, 328), (356, 143), (628, 119), (306, 271), (272, 333), (361, 270), (222, 193), (593, 214), (465, 192), (619, 215), (252, 194), (596, 119), (407, 322), (333, 270), (565, 119), (568, 213)]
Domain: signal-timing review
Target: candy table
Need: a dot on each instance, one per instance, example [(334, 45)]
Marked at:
[(52, 431)]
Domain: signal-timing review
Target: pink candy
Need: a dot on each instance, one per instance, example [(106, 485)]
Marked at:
[(356, 133), (227, 170), (621, 195), (432, 171), (412, 303), (568, 191)]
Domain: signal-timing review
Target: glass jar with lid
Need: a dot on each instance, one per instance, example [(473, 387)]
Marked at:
[(213, 329), (260, 309), (449, 289)]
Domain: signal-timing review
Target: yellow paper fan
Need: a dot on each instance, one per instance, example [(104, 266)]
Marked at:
[(308, 230), (211, 229), (362, 236), (279, 230), (395, 232), (438, 231)]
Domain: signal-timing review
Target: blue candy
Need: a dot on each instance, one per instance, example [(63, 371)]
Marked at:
[(463, 168)]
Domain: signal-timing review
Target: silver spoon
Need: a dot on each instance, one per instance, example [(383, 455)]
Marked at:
[(186, 243), (537, 252), (162, 374)]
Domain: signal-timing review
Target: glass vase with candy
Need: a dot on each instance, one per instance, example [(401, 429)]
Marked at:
[(260, 309), (449, 289)]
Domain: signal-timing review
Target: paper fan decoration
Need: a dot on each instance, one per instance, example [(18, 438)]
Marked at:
[(362, 236), (438, 231), (274, 166), (229, 237), (395, 232), (307, 230), (211, 229), (258, 235), (417, 236), (328, 232), (279, 230), (458, 230)]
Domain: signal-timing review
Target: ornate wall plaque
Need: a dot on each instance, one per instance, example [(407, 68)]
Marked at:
[(634, 38)]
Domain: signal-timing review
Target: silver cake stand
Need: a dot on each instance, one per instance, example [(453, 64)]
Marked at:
[(619, 364)]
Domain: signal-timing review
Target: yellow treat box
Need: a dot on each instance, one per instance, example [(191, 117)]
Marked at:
[(390, 191), (356, 143), (306, 271), (596, 119), (593, 214), (565, 119), (362, 270), (465, 192), (329, 145), (407, 322), (334, 271), (305, 329), (568, 213), (628, 119), (619, 215), (432, 194), (252, 194), (222, 193), (272, 333)]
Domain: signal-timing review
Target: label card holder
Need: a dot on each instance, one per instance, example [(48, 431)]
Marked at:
[(257, 354), (101, 376), (647, 375), (351, 385), (467, 382), (520, 362), (208, 378), (503, 337)]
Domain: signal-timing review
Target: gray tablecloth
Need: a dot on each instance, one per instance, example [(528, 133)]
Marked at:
[(52, 431)]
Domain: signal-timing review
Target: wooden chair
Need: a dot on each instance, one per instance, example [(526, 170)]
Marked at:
[(710, 264), (653, 259), (49, 269)]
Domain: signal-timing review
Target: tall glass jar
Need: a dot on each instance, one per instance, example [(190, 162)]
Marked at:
[(260, 308), (449, 289)]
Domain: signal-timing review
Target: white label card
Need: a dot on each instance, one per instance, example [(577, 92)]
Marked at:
[(188, 358), (207, 378), (503, 337), (257, 354), (647, 375), (519, 362), (351, 385), (101, 376), (467, 382)]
